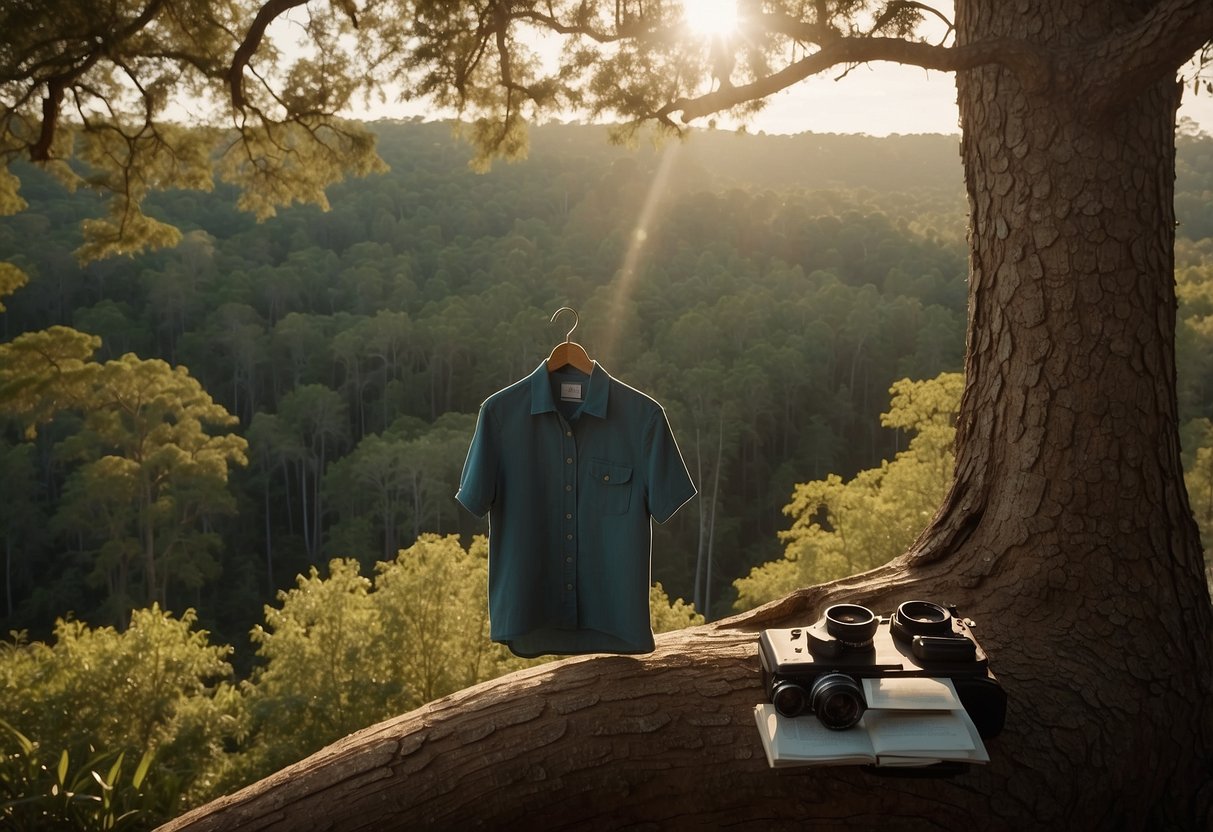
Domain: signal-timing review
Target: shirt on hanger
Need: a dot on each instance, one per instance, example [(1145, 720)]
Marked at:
[(570, 468)]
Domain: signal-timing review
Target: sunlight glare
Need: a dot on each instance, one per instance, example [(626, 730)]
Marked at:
[(711, 18)]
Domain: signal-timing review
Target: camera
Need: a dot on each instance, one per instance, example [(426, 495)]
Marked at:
[(817, 669)]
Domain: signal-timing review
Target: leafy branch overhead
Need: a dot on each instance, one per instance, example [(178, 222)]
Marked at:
[(138, 95), (131, 97)]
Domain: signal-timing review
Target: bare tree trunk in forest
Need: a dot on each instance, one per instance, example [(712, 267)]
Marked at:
[(707, 581), (269, 547), (448, 396), (702, 537), (415, 475), (361, 402), (389, 527), (286, 494), (317, 502), (8, 575), (149, 545), (305, 520), (1067, 536)]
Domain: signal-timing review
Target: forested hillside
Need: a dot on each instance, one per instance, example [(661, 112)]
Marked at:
[(768, 290)]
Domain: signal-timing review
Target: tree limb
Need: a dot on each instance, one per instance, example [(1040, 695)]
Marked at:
[(266, 15), (40, 151), (1029, 62), (1122, 66)]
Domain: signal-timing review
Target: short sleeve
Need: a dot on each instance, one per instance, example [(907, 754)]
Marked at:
[(478, 483), (669, 485)]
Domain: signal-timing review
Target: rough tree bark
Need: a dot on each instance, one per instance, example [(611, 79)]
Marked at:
[(1067, 537)]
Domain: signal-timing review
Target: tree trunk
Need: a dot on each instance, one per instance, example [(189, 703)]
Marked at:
[(707, 579), (1069, 507), (305, 520), (317, 504), (702, 537), (269, 546), (149, 543), (8, 575), (1067, 537)]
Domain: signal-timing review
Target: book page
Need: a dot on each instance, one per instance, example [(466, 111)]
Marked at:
[(944, 735), (885, 761), (911, 693), (804, 739)]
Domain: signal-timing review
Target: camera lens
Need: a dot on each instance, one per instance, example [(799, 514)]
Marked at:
[(837, 700), (851, 624), (922, 618), (788, 698)]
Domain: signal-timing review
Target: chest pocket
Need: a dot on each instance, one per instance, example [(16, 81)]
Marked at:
[(610, 486)]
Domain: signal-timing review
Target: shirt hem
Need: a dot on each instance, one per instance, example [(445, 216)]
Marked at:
[(638, 650), (661, 520), (475, 510)]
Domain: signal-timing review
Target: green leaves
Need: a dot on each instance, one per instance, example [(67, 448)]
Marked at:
[(842, 527), (133, 98), (151, 473), (666, 615), (338, 653), (45, 372), (155, 693), (37, 796), (276, 165), (11, 279), (343, 651), (398, 484), (10, 201), (1198, 477)]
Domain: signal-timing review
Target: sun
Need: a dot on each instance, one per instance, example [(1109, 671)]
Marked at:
[(711, 18)]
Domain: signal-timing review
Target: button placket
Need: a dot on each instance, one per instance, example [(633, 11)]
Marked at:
[(568, 523)]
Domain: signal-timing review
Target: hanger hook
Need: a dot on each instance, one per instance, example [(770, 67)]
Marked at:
[(576, 320)]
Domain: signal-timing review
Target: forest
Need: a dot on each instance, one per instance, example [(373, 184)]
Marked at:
[(768, 313), (247, 452)]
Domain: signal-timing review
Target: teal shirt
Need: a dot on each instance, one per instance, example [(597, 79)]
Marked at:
[(570, 468)]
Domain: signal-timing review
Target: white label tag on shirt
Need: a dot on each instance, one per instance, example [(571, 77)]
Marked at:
[(570, 392)]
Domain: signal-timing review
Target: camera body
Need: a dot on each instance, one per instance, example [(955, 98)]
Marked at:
[(817, 669)]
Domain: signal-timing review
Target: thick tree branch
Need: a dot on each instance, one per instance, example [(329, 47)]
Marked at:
[(252, 40), (501, 31), (57, 85), (40, 151), (1120, 67), (1029, 62)]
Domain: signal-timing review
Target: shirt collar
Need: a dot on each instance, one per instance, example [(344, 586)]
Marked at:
[(596, 393)]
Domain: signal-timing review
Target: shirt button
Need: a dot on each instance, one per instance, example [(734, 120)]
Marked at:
[(569, 587), (568, 433), (606, 477), (568, 560), (568, 537), (568, 488), (568, 517), (569, 460)]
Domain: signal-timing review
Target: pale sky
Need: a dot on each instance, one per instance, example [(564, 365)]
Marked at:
[(880, 99)]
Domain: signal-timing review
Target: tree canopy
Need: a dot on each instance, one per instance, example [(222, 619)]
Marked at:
[(141, 96)]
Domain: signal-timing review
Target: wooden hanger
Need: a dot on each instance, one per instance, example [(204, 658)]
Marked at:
[(569, 353)]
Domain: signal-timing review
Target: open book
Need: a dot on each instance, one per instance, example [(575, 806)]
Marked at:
[(909, 722)]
